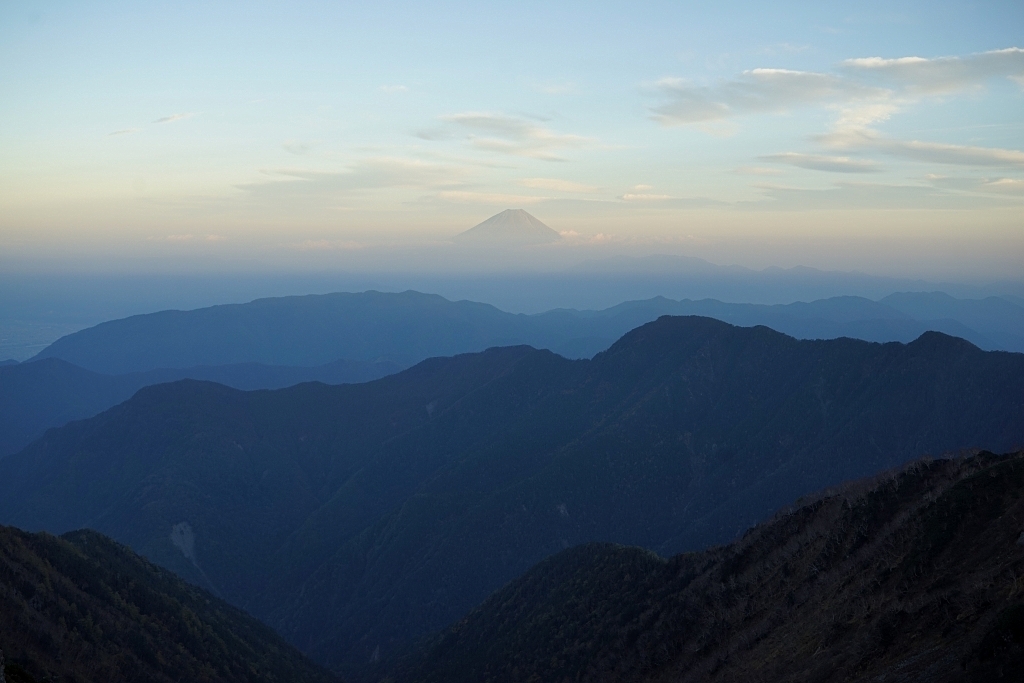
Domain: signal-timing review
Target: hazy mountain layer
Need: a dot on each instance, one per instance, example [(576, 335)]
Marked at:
[(356, 518), (409, 327), (83, 608), (913, 578), (51, 392), (1000, 318)]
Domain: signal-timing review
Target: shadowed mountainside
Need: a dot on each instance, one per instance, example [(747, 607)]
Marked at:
[(51, 392), (915, 577), (357, 518), (83, 608)]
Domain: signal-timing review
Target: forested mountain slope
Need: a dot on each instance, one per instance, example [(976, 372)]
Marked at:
[(915, 577), (83, 608)]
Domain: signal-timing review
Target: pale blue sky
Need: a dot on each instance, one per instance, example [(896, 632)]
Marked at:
[(301, 134)]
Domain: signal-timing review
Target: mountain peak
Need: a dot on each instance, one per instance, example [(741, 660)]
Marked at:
[(511, 226)]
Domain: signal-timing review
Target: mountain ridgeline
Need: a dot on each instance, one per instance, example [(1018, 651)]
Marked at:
[(83, 608), (409, 327), (355, 519), (912, 577), (52, 392), (342, 338)]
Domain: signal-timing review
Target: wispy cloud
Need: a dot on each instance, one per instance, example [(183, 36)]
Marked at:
[(871, 196), (864, 92), (174, 117), (496, 198), (297, 147), (362, 176), (756, 170), (919, 75), (327, 245), (966, 155), (753, 92), (644, 197), (393, 88), (930, 152), (124, 131), (506, 134), (871, 81), (556, 185), (819, 162), (1013, 187), (189, 237)]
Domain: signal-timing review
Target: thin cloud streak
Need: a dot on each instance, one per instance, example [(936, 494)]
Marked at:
[(361, 177), (1013, 187), (884, 82), (941, 74), (494, 198), (174, 117), (756, 170), (818, 162), (556, 185), (506, 134), (754, 92), (929, 152)]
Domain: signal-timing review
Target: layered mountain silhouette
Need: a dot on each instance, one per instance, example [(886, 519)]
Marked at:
[(407, 327), (510, 227), (51, 392), (357, 518), (913, 577), (83, 608), (339, 338)]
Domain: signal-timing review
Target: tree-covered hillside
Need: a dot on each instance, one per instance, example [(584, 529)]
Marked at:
[(914, 577), (83, 608)]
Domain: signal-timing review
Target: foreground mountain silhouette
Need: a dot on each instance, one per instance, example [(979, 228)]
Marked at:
[(510, 227), (83, 608), (913, 578), (357, 518)]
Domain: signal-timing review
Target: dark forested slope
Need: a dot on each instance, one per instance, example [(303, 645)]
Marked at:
[(83, 608), (51, 392), (915, 577), (356, 518)]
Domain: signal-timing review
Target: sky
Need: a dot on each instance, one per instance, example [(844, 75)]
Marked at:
[(883, 137)]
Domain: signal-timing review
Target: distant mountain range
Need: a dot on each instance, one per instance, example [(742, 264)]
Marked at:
[(83, 608), (340, 338), (355, 519), (913, 578), (408, 327)]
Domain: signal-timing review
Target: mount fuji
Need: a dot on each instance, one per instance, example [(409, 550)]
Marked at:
[(512, 226)]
